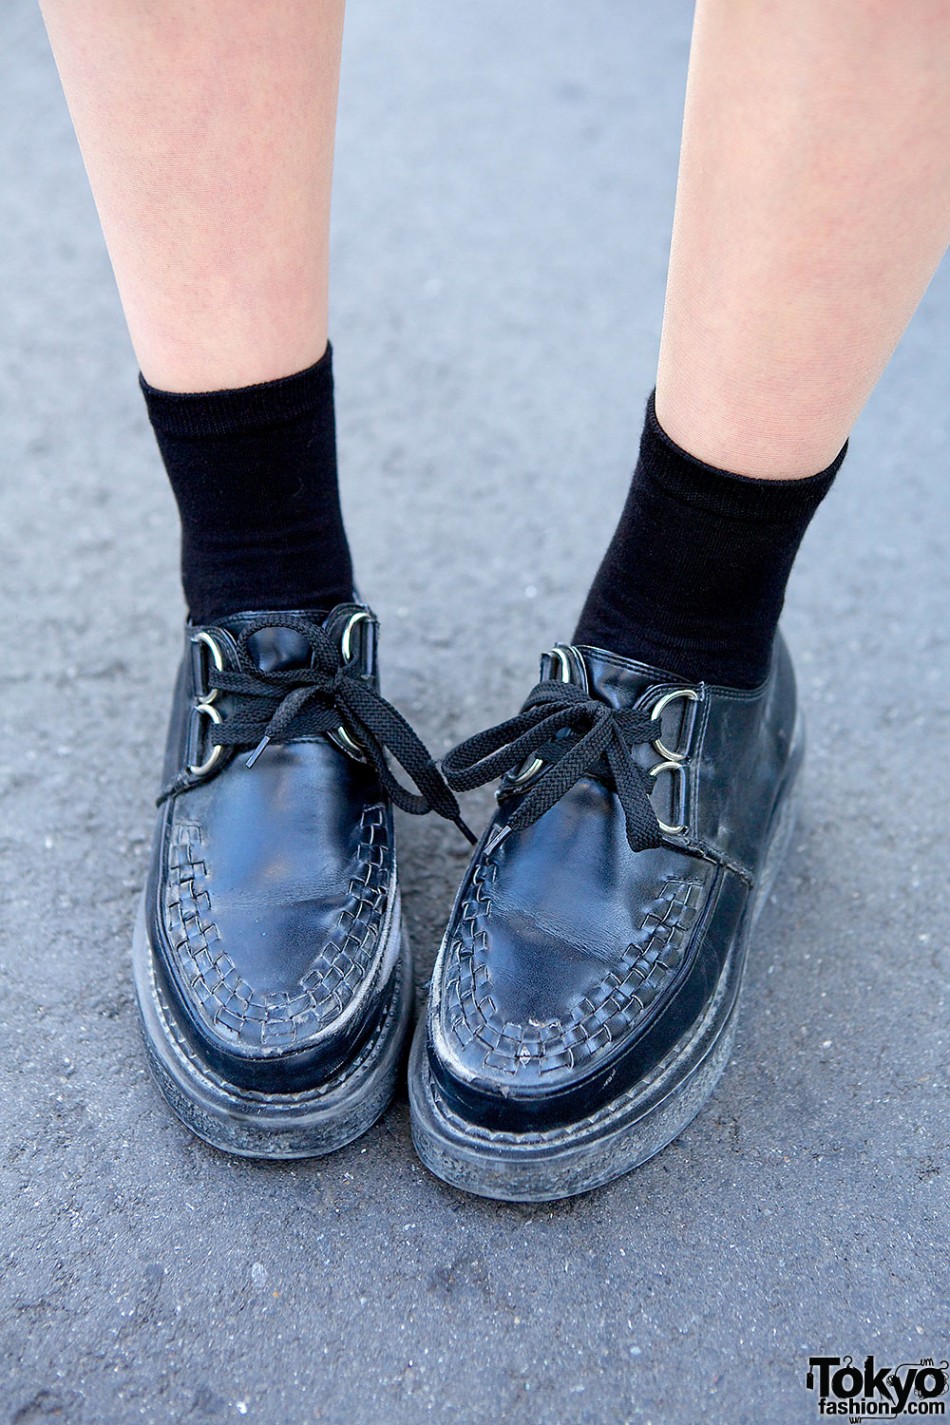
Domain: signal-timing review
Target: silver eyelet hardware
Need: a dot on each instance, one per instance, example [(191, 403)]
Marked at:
[(672, 761), (532, 768), (201, 769), (355, 750), (346, 641), (205, 704), (668, 766), (658, 709), (341, 736)]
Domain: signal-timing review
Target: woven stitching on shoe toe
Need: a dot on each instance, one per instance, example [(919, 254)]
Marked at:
[(231, 1005), (604, 1015)]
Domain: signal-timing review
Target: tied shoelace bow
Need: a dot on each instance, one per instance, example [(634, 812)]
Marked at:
[(321, 698), (570, 732)]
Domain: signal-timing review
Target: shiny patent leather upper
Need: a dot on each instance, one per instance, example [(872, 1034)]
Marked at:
[(572, 964), (271, 896)]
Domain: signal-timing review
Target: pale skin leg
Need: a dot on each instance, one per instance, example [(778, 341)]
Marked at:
[(813, 206), (207, 130)]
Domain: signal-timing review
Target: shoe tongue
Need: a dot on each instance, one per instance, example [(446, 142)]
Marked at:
[(277, 649)]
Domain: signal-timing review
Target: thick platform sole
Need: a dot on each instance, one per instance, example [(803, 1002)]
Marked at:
[(249, 1124), (624, 1134)]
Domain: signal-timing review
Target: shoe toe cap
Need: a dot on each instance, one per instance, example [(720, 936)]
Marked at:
[(530, 1025), (277, 980)]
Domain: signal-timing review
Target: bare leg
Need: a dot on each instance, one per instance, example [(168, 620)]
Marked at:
[(207, 131), (813, 207)]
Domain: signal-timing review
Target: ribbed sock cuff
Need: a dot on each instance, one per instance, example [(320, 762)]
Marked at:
[(201, 415), (705, 487)]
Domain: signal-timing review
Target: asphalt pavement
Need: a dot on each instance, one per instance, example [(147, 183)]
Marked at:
[(504, 191)]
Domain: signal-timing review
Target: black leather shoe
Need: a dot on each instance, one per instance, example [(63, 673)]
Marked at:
[(271, 968), (584, 999)]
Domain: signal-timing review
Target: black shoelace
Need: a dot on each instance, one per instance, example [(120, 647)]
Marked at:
[(320, 699), (570, 733)]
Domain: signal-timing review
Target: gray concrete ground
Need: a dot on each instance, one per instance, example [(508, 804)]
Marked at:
[(505, 184)]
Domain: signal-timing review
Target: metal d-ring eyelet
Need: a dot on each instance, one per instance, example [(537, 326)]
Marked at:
[(346, 651), (205, 703), (530, 769), (217, 658), (346, 640), (670, 765), (657, 713), (201, 769), (351, 746)]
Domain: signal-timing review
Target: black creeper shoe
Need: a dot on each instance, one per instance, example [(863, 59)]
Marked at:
[(272, 971), (583, 1002)]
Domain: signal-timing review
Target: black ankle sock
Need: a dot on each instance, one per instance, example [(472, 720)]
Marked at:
[(694, 578), (254, 473)]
